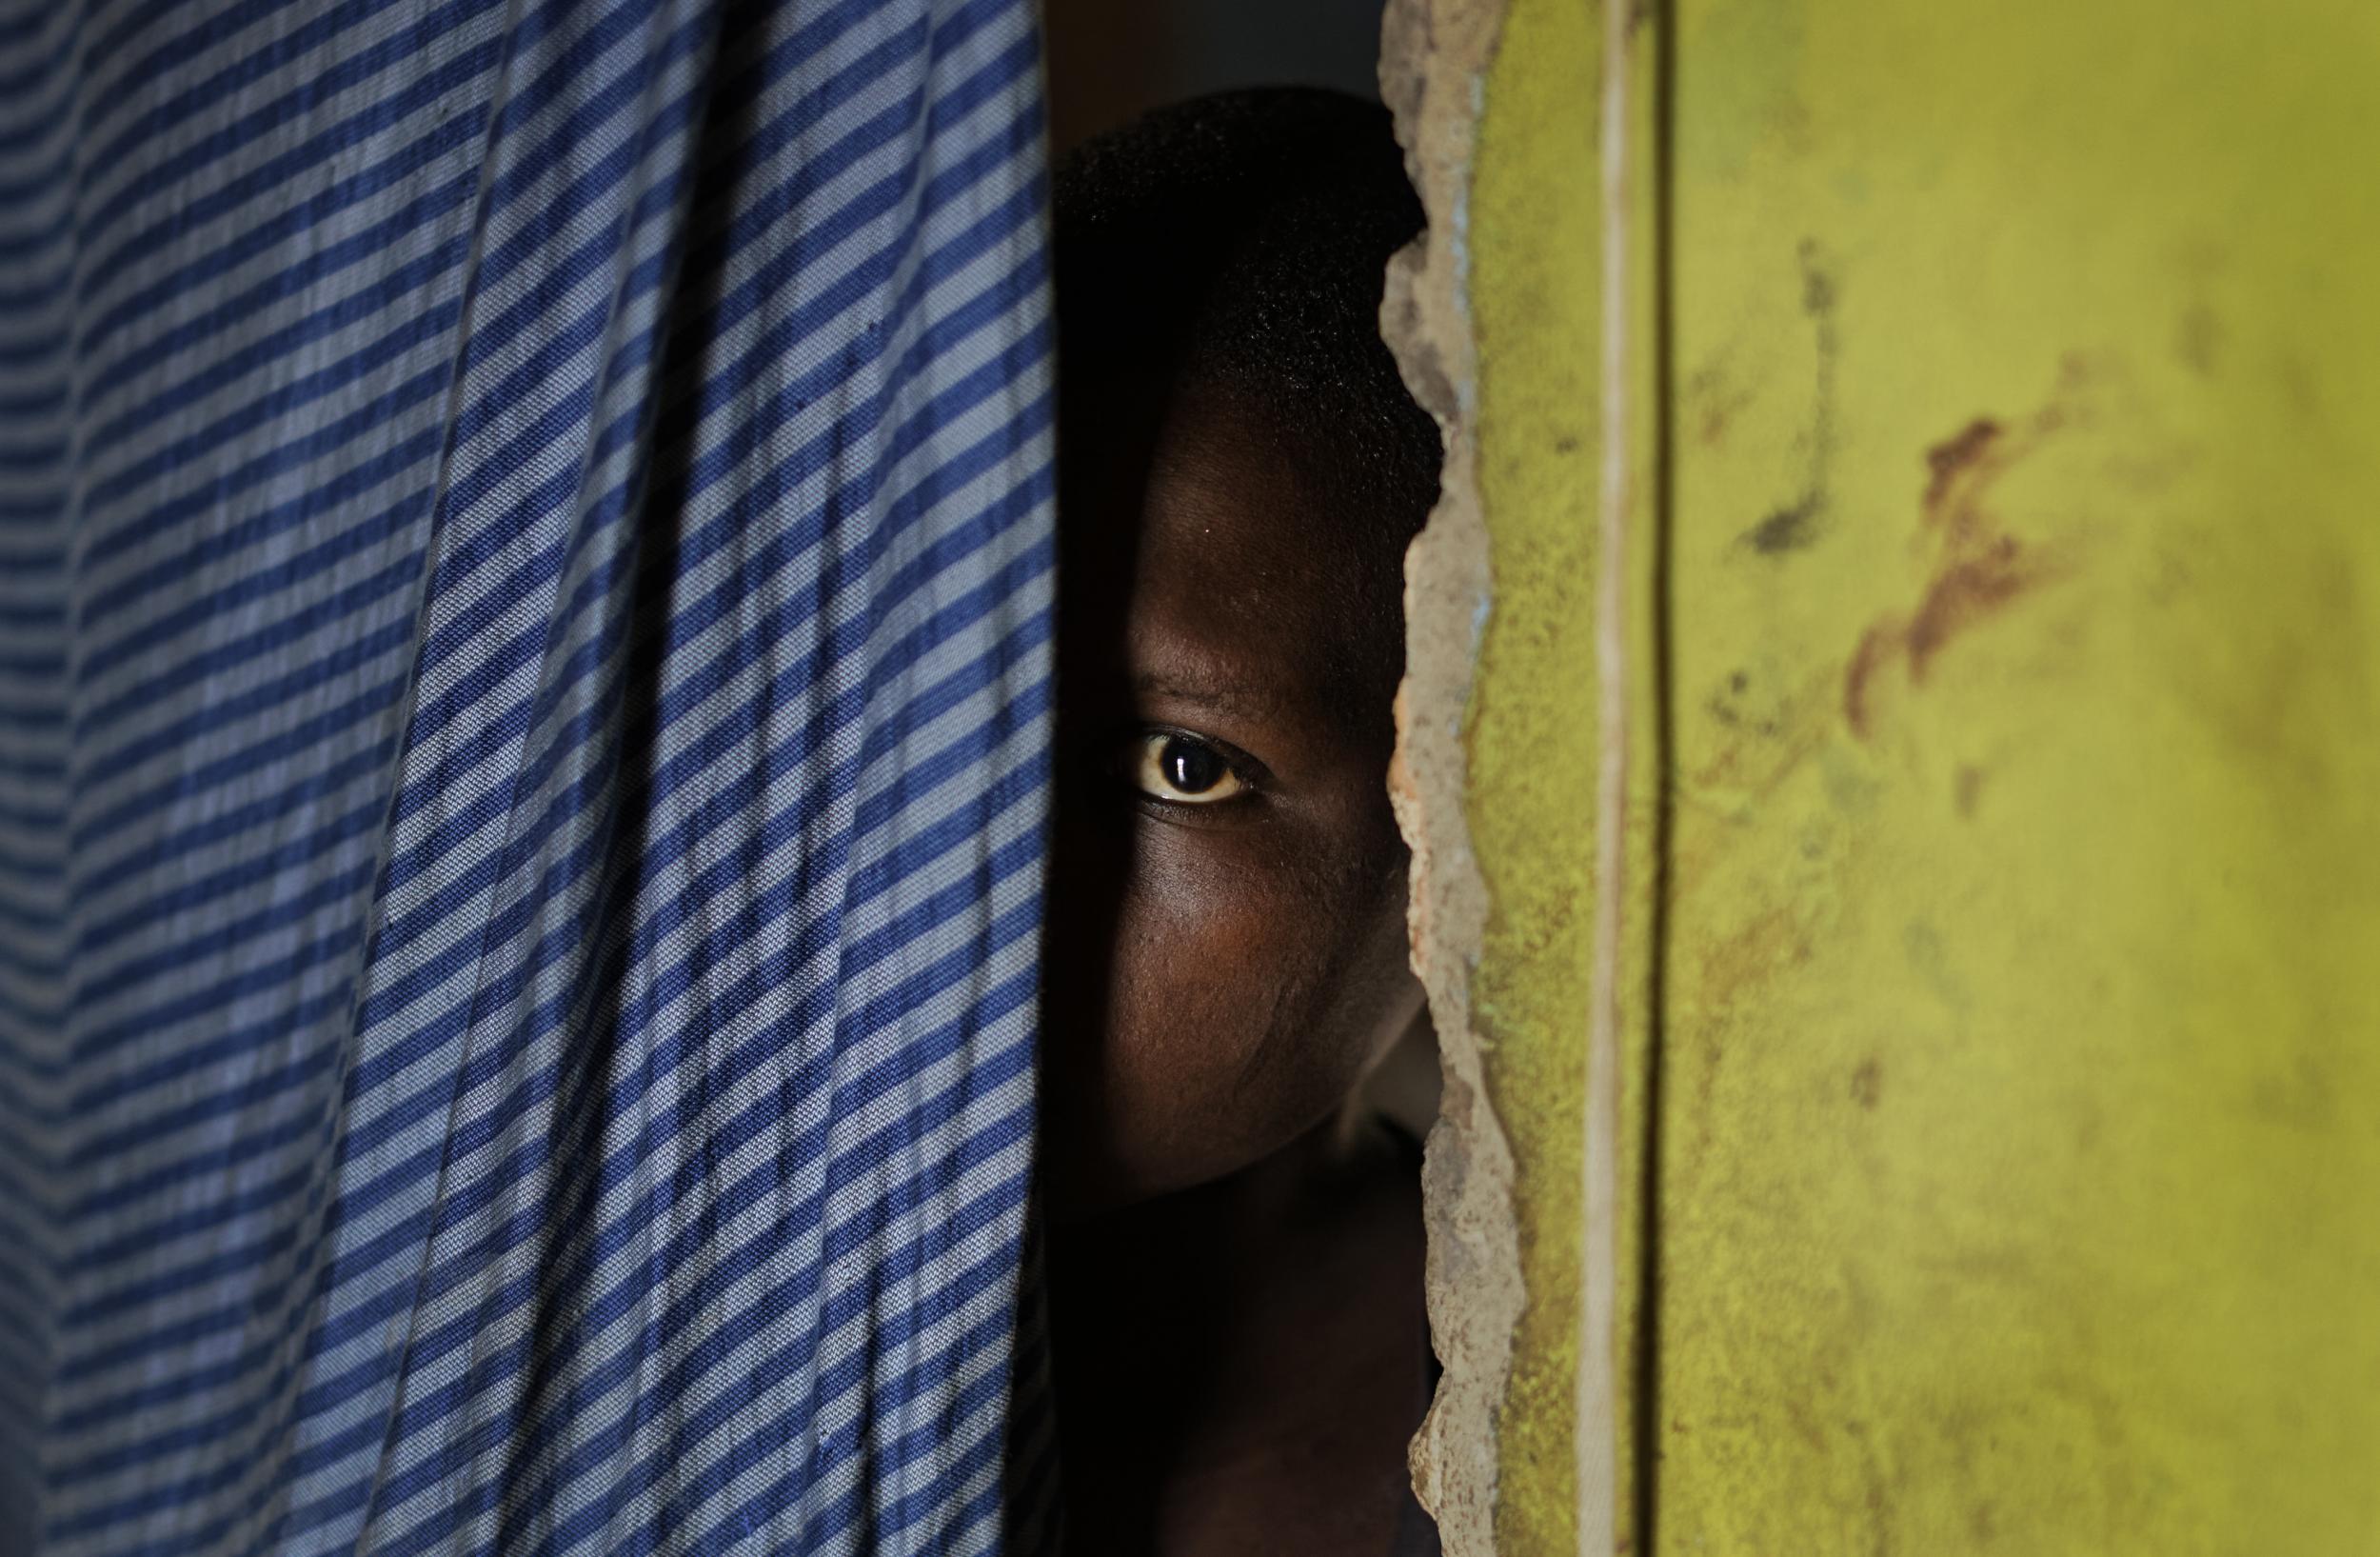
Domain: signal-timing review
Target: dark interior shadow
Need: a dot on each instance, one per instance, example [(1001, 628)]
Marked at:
[(1108, 427)]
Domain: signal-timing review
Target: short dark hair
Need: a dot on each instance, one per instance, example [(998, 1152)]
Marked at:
[(1238, 243)]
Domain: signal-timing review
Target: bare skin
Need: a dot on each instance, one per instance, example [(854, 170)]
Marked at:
[(1235, 1260)]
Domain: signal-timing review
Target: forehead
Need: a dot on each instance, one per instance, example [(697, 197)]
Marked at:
[(1245, 583)]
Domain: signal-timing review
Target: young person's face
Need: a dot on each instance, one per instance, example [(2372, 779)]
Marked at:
[(1227, 946)]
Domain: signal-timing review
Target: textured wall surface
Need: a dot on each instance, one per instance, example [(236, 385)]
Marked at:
[(2021, 1102), (1983, 404), (1497, 318)]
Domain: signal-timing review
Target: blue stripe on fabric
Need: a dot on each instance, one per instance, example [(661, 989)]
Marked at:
[(350, 499), (271, 61)]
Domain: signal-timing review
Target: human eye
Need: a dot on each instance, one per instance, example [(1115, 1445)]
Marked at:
[(1181, 768)]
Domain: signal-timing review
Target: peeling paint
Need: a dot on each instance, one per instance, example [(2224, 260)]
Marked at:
[(1515, 767), (2010, 1156), (1433, 54)]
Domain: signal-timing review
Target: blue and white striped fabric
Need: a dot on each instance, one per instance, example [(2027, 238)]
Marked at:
[(525, 598)]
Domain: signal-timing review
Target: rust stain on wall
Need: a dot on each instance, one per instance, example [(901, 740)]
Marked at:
[(1978, 569)]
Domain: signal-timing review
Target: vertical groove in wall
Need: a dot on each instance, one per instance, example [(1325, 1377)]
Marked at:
[(1434, 55), (1642, 1330)]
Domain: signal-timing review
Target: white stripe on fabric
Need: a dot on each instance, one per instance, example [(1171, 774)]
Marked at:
[(526, 559)]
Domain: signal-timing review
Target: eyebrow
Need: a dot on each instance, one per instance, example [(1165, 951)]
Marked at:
[(1249, 699)]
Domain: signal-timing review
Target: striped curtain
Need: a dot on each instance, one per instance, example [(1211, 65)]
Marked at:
[(525, 610)]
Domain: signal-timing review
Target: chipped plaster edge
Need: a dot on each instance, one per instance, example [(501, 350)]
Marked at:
[(1434, 55)]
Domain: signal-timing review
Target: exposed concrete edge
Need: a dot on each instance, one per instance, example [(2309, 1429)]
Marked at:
[(1434, 59)]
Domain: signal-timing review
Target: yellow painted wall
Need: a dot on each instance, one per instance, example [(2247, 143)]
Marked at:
[(2015, 1127), (1531, 729), (2020, 1187)]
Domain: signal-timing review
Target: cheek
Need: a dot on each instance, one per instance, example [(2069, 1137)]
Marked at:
[(1220, 1042), (1203, 933)]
